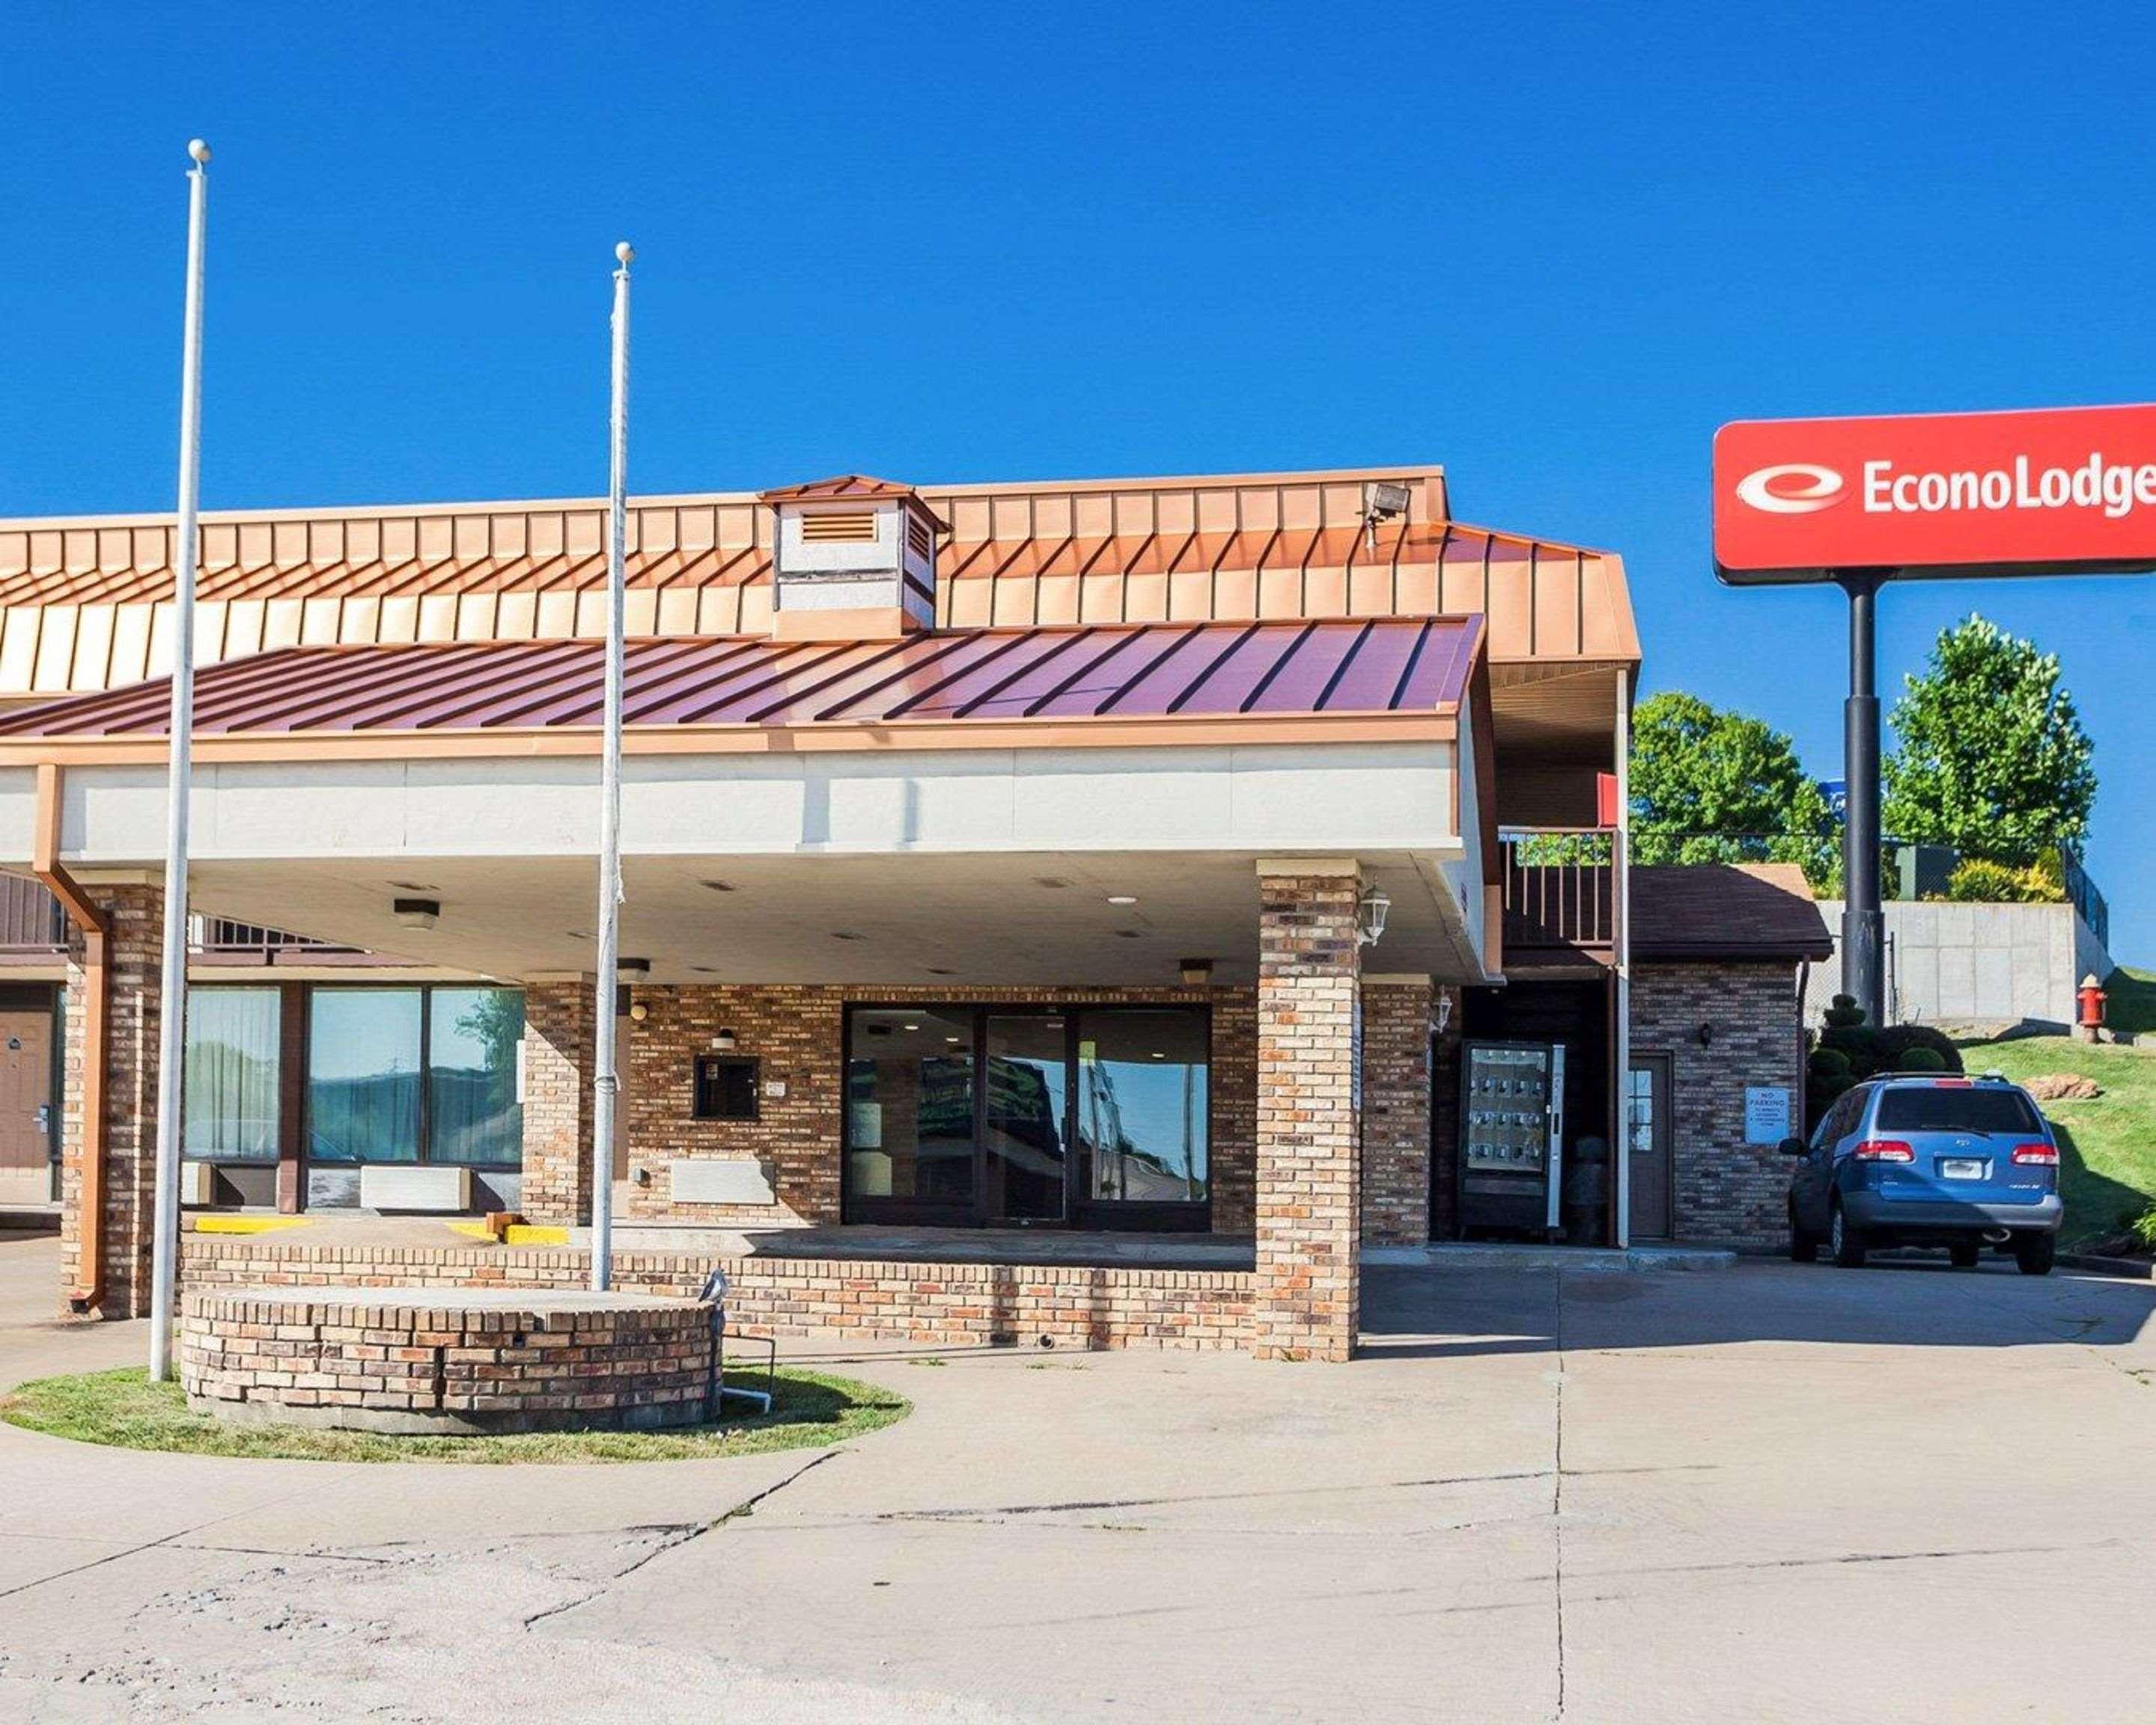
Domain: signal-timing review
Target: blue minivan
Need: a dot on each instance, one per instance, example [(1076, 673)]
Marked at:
[(1961, 1162)]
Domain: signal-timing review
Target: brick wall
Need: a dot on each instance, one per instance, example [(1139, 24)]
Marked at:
[(135, 950), (1309, 1204), (937, 1305), (795, 1033), (386, 1364), (559, 1038), (1396, 1112), (1724, 1189)]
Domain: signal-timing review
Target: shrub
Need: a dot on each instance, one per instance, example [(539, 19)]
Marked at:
[(1842, 1012), (2143, 1227), (1977, 880), (1828, 1063), (1921, 1059), (1896, 1041)]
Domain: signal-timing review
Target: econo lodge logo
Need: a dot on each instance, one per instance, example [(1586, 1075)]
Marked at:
[(1793, 488)]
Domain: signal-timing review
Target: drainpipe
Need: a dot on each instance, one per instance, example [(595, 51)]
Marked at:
[(95, 927)]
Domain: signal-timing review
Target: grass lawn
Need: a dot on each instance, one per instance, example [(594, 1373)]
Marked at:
[(2106, 1147), (124, 1408)]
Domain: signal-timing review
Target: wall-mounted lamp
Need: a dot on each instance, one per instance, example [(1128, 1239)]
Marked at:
[(726, 1042), (1196, 972), (1705, 1035), (1371, 910), (638, 1011), (416, 913), (1444, 1011)]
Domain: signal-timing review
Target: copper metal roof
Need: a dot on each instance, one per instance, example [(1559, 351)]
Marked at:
[(1390, 666), (85, 603)]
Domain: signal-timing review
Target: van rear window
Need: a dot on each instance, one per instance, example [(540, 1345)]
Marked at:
[(1910, 1109)]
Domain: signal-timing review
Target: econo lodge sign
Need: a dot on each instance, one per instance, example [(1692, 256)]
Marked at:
[(2060, 491)]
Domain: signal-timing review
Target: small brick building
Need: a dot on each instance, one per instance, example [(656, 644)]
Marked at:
[(1127, 864)]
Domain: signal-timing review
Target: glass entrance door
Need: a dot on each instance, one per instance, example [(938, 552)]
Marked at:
[(909, 1125), (1025, 1111)]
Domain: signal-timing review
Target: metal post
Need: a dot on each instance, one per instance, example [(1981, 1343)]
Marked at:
[(1620, 855), (1863, 922), (605, 1085), (173, 999)]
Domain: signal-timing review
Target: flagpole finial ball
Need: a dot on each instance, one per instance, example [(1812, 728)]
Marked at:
[(625, 251), (198, 149)]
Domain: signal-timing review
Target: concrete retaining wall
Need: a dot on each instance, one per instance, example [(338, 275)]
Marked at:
[(1951, 963)]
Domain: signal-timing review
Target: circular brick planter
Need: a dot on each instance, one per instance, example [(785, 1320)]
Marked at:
[(442, 1360)]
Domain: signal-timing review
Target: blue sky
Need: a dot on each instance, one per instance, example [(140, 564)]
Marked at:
[(1550, 247)]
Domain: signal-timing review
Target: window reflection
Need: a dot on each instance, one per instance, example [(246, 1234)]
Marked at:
[(910, 1107), (363, 1075), (1141, 1104), (473, 1113)]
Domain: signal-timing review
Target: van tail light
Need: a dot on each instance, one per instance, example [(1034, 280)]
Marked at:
[(2037, 1155), (1883, 1150)]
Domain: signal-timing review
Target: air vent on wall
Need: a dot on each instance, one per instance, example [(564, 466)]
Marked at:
[(916, 536), (848, 529)]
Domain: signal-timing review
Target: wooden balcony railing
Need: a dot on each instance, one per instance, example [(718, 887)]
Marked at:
[(1559, 892), (31, 920)]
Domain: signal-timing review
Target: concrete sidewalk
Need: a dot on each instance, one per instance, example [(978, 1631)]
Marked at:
[(1540, 1494)]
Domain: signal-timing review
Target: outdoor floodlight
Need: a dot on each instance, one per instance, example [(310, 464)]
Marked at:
[(416, 913)]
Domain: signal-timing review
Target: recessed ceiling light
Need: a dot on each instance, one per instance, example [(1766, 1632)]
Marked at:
[(847, 934), (1158, 1056), (413, 887), (717, 885), (938, 970), (909, 1026), (951, 1039), (1053, 882), (1129, 934), (1122, 898)]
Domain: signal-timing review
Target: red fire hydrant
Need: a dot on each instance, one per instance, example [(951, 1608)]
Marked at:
[(2089, 1025)]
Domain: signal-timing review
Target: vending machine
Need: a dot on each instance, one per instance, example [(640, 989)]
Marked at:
[(1512, 1132)]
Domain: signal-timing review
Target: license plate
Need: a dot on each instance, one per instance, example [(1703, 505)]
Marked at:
[(1961, 1167)]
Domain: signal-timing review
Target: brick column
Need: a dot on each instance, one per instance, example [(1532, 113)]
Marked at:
[(1309, 1204), (560, 1039), (1396, 1111), (134, 954)]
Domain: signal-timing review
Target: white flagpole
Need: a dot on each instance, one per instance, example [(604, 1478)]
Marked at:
[(172, 1001), (605, 1084)]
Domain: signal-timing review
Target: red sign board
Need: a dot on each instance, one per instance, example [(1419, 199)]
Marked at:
[(2059, 491)]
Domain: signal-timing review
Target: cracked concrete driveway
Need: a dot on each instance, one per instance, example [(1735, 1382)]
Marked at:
[(1777, 1492)]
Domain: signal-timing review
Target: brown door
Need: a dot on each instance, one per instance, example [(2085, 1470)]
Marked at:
[(1647, 1144), (26, 1098)]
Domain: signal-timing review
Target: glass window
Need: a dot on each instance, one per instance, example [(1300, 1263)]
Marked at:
[(473, 1112), (1141, 1104), (1945, 1108), (230, 1109), (909, 1105), (363, 1075), (725, 1087)]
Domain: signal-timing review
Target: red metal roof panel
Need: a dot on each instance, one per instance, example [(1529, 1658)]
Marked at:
[(1159, 670)]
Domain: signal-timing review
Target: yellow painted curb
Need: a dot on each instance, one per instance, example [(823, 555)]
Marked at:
[(470, 1230), (247, 1224), (529, 1234)]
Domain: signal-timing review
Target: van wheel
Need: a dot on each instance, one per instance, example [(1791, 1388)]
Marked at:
[(1804, 1248), (1845, 1242), (1964, 1253), (2034, 1253)]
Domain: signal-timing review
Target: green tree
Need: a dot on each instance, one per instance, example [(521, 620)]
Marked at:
[(1709, 786), (1990, 754)]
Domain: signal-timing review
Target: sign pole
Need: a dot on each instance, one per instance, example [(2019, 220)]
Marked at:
[(606, 1086), (1863, 922), (173, 996)]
